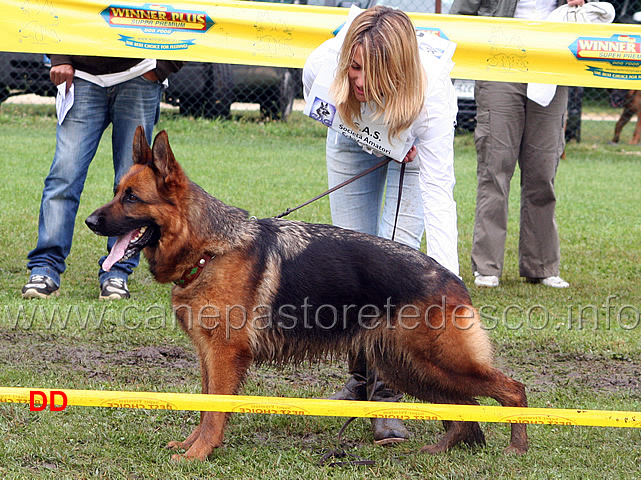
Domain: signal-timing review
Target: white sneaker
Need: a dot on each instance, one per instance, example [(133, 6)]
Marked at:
[(555, 282), (490, 281)]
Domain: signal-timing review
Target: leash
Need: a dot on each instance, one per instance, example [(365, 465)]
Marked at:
[(341, 185), (339, 451), (398, 201)]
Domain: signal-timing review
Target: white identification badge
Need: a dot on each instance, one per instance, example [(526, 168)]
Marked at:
[(371, 134)]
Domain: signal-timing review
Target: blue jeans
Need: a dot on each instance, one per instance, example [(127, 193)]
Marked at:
[(368, 205), (126, 105)]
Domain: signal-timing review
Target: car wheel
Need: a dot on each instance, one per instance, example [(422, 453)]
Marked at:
[(4, 93), (191, 106), (281, 101), (222, 91)]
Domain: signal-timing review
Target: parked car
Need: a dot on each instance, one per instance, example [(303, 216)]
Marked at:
[(198, 88), (209, 89), (22, 73)]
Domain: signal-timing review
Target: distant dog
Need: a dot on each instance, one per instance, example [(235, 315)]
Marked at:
[(280, 291), (631, 107)]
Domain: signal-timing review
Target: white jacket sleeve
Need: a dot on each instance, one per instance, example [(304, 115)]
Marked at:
[(313, 65), (434, 132)]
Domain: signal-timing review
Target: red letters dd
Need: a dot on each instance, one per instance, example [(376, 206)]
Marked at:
[(43, 400)]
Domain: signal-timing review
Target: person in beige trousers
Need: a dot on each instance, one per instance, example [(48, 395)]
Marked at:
[(513, 128)]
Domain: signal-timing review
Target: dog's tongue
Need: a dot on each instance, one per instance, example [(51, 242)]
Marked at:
[(118, 250)]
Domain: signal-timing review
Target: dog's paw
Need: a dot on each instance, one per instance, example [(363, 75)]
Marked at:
[(174, 445), (188, 456), (433, 449), (515, 450)]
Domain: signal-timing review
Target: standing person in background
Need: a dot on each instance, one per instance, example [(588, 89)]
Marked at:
[(379, 65), (123, 92), (511, 127)]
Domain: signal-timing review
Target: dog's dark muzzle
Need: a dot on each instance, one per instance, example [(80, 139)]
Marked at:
[(95, 222)]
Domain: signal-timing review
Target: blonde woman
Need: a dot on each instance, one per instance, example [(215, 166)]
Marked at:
[(380, 68)]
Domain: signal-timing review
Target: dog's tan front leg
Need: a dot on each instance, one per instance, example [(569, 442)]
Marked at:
[(223, 373), (189, 441)]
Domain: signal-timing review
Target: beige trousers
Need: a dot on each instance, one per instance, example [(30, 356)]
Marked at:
[(512, 129)]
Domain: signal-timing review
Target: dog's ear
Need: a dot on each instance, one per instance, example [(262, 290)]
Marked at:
[(142, 152), (164, 161)]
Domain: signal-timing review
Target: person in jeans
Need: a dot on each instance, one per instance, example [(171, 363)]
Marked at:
[(122, 92), (514, 124), (379, 63)]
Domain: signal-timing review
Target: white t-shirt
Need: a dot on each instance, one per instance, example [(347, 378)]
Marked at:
[(110, 79), (534, 9)]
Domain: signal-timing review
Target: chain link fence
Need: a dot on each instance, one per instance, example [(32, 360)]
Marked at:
[(215, 90)]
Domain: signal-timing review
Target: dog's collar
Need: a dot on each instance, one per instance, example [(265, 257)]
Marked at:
[(194, 271)]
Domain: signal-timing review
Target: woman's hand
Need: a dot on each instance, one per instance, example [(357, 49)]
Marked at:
[(411, 155), (572, 3)]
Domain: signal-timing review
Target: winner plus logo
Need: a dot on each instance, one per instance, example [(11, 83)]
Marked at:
[(155, 18), (619, 56), (618, 50)]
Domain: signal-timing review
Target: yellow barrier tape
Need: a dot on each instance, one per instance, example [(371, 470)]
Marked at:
[(258, 33), (331, 408)]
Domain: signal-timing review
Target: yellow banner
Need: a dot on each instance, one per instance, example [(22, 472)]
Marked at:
[(260, 33), (38, 399)]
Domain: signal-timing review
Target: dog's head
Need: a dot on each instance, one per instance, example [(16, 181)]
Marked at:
[(146, 194)]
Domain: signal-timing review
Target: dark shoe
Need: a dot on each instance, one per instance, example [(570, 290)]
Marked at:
[(385, 394), (40, 286), (388, 431), (114, 289), (354, 389)]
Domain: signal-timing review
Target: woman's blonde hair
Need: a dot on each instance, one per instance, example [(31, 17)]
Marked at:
[(393, 77)]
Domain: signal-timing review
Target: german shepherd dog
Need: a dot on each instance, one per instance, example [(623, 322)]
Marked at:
[(282, 291), (631, 107)]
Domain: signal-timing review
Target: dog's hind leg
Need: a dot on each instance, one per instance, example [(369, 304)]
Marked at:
[(623, 120), (626, 115), (455, 433), (496, 385), (636, 137), (473, 433), (450, 363), (469, 433), (509, 393)]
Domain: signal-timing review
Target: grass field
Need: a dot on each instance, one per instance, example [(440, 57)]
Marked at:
[(575, 348)]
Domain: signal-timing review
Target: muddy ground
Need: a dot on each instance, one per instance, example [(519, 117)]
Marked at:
[(176, 365)]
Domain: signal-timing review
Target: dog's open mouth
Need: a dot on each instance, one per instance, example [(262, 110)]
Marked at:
[(129, 245)]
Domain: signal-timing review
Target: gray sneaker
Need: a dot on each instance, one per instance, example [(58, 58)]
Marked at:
[(114, 289), (40, 286)]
